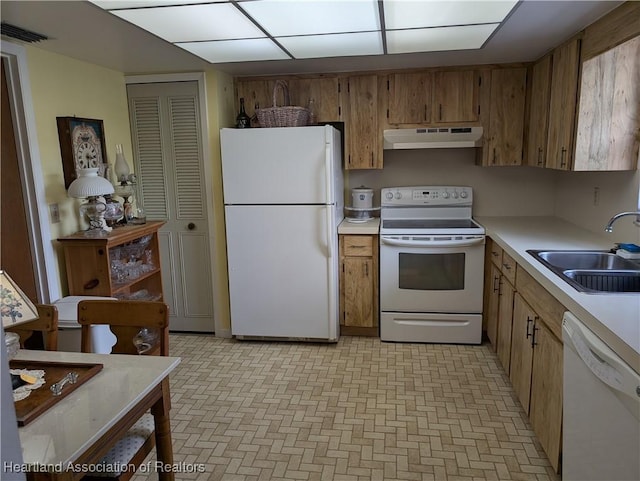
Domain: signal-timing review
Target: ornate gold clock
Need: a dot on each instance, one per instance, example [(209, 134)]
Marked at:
[(81, 146)]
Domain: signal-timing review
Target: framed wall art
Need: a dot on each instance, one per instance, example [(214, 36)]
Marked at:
[(82, 146)]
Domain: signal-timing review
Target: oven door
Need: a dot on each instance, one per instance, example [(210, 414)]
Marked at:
[(427, 273)]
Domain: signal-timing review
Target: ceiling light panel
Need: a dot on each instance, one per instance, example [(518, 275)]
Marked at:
[(247, 50), (333, 45), (216, 21), (311, 17), (438, 39), (117, 4), (399, 14)]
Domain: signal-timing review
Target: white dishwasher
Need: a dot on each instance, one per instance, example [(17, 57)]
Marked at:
[(601, 409)]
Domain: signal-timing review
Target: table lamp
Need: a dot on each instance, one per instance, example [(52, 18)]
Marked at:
[(89, 185)]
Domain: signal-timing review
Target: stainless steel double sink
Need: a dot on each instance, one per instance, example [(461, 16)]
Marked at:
[(592, 271)]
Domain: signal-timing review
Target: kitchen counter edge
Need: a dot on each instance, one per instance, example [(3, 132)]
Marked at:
[(370, 227), (615, 318)]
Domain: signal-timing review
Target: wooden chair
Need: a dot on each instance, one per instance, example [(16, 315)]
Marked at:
[(46, 325), (125, 319)]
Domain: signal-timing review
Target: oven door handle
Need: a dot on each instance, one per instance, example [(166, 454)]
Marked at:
[(432, 243)]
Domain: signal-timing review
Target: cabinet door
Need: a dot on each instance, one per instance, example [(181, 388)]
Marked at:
[(505, 316), (492, 306), (521, 350), (409, 98), (455, 96), (364, 141), (358, 292), (609, 110), (539, 112), (324, 92), (506, 117), (254, 92), (545, 411), (562, 105)]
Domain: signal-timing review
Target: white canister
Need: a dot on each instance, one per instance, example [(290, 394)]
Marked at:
[(362, 197)]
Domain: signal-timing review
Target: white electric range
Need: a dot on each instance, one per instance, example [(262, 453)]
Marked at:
[(431, 265)]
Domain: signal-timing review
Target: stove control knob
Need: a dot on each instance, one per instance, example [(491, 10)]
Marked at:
[(455, 195), (445, 195), (463, 194), (389, 195), (398, 195)]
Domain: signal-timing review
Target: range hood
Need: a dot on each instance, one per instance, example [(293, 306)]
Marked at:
[(433, 138)]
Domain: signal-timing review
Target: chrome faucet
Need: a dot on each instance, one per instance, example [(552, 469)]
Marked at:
[(609, 227)]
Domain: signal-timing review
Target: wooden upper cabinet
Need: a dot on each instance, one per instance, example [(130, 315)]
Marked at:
[(254, 92), (409, 98), (455, 96), (506, 117), (324, 92), (562, 105), (539, 112), (608, 132), (363, 143)]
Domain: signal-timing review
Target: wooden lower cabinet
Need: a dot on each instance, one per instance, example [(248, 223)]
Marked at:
[(359, 311), (536, 376), (492, 289), (505, 315)]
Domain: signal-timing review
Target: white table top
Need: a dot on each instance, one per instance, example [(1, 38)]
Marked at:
[(66, 430), (615, 318)]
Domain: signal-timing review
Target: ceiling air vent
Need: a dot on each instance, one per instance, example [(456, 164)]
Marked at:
[(12, 31)]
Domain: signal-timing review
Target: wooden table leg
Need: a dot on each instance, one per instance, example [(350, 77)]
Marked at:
[(164, 446)]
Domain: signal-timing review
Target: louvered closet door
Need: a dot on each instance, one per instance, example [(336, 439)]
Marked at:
[(167, 145)]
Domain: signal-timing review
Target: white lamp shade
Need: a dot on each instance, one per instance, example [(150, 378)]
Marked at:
[(89, 184)]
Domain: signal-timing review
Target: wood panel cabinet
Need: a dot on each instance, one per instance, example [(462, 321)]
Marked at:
[(539, 112), (504, 144), (363, 143), (409, 97), (537, 360), (608, 131), (455, 96), (123, 264), (359, 311), (562, 105)]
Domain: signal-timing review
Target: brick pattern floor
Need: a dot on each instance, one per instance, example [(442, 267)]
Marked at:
[(357, 410)]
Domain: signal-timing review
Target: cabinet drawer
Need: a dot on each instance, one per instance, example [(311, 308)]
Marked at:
[(509, 267), (495, 251), (357, 245)]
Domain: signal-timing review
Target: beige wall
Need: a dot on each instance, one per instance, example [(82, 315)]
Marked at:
[(220, 113), (61, 87)]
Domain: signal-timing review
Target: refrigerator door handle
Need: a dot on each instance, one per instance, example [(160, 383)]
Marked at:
[(328, 178)]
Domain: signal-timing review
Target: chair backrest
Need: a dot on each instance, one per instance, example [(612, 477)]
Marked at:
[(46, 324), (125, 319)]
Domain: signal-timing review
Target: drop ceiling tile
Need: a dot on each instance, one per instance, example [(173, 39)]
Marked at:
[(216, 21), (111, 4), (438, 39), (333, 45), (308, 17), (246, 50), (418, 14)]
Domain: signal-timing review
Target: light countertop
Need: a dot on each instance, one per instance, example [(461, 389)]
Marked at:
[(371, 227), (615, 318)]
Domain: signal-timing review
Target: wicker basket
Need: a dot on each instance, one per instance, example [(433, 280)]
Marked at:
[(286, 116)]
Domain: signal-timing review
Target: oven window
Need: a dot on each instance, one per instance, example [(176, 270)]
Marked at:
[(431, 272)]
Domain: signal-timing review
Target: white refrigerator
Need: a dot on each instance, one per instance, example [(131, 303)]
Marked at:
[(284, 198)]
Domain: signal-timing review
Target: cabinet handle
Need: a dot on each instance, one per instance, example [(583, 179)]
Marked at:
[(191, 226), (533, 335), (425, 113), (496, 283), (494, 156), (539, 155), (440, 112), (563, 154), (366, 270), (529, 321), (92, 284), (506, 266)]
